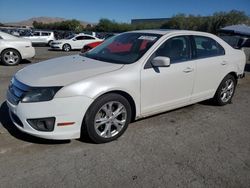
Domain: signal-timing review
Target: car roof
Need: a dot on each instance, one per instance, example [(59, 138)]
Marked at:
[(171, 31), (82, 34)]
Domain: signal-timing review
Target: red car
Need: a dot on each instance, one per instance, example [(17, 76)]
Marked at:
[(113, 47), (90, 46)]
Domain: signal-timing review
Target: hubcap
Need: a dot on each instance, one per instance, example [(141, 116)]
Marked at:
[(227, 91), (11, 57), (110, 119), (66, 48)]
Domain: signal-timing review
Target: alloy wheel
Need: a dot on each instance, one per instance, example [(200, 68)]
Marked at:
[(110, 119)]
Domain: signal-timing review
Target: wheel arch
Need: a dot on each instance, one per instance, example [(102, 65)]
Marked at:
[(234, 74), (11, 48), (125, 95), (66, 43)]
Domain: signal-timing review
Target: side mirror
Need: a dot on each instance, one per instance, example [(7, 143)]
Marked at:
[(161, 61), (74, 39)]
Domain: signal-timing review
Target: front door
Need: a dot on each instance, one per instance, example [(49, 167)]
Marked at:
[(164, 88)]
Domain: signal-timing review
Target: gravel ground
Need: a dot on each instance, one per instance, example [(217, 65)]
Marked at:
[(197, 146)]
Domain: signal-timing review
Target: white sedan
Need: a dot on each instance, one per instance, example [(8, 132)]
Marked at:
[(130, 76), (14, 49), (73, 42)]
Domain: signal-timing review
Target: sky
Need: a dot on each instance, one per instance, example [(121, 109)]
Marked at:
[(120, 11)]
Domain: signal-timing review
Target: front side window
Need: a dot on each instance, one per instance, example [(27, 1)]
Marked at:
[(176, 48), (36, 34), (207, 47), (123, 49)]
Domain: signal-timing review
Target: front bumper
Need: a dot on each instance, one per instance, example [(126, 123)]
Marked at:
[(56, 46), (70, 109), (28, 52)]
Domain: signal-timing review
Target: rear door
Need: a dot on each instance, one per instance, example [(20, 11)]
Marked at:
[(210, 62), (44, 37)]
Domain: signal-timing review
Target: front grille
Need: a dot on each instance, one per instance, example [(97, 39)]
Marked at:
[(16, 91)]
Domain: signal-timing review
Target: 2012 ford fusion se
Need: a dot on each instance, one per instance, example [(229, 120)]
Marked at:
[(129, 76)]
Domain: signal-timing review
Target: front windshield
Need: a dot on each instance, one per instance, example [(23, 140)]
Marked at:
[(123, 49)]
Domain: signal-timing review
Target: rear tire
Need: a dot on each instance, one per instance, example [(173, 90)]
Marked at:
[(10, 57), (107, 118), (66, 47), (225, 91)]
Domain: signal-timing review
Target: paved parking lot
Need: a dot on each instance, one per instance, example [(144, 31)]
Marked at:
[(197, 146)]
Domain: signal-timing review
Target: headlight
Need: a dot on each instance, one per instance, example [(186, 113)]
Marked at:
[(40, 94)]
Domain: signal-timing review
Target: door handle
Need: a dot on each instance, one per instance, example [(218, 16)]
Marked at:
[(188, 69), (223, 62)]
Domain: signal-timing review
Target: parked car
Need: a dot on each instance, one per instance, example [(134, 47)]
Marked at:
[(239, 42), (14, 49), (73, 42), (92, 45), (41, 37), (101, 91)]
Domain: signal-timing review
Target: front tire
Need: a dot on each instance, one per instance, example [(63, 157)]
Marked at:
[(50, 42), (10, 57), (66, 47), (225, 91), (107, 118)]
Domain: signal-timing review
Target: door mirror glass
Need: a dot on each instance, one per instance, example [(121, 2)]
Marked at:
[(161, 61)]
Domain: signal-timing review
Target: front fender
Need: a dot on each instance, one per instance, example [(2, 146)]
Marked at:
[(122, 80)]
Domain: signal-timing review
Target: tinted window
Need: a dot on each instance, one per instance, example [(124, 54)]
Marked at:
[(176, 48), (80, 38), (207, 47), (36, 34), (1, 37), (124, 48), (246, 44), (45, 34), (88, 38)]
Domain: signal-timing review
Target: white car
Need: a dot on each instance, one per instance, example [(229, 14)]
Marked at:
[(42, 37), (14, 49), (130, 76), (73, 42)]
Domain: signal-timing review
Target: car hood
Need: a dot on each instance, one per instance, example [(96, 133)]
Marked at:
[(63, 71)]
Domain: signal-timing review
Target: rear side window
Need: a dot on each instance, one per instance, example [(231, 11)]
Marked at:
[(88, 38), (207, 47), (45, 34)]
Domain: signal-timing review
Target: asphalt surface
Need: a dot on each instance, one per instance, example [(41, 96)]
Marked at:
[(197, 146)]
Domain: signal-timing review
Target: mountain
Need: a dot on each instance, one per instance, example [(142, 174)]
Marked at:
[(30, 21)]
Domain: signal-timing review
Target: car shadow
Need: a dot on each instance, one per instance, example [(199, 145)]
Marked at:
[(60, 50), (23, 62), (11, 128)]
